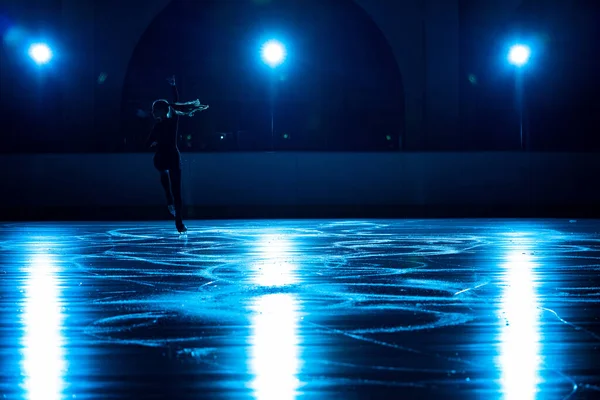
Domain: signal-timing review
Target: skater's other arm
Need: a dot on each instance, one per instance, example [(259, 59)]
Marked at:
[(151, 139)]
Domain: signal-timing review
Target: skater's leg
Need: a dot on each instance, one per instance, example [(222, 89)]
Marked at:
[(176, 189), (165, 181)]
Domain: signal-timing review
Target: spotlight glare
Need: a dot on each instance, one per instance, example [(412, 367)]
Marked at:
[(519, 55), (273, 53), (40, 53)]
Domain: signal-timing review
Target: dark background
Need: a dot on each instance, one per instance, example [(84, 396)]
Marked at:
[(339, 90), (342, 93)]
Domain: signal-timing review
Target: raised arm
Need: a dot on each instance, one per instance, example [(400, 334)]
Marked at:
[(173, 84), (175, 94)]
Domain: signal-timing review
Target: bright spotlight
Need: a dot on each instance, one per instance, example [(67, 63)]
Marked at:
[(273, 53), (40, 53), (519, 55)]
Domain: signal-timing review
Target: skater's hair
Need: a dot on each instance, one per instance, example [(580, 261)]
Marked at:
[(188, 108)]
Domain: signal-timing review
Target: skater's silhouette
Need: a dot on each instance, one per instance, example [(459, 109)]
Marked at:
[(167, 159)]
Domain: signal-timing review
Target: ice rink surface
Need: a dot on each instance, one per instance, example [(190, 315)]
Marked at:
[(307, 309)]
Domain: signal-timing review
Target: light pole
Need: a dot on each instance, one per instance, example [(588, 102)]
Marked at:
[(518, 56), (273, 54)]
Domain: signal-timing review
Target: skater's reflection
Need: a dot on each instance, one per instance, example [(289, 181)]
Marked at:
[(520, 332)]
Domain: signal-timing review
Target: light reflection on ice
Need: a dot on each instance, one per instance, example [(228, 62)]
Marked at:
[(43, 343), (274, 347), (519, 356)]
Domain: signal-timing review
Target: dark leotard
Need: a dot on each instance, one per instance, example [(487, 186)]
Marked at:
[(165, 135), (167, 154)]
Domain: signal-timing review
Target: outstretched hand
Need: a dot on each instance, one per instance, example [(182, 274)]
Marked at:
[(171, 80)]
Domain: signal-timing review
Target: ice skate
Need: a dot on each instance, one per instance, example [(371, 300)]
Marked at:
[(181, 228)]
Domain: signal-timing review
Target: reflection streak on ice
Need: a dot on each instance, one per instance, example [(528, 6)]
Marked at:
[(274, 347), (520, 335), (43, 342)]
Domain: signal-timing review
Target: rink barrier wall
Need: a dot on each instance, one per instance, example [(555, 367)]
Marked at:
[(295, 184)]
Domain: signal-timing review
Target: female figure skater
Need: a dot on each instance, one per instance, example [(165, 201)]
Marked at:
[(167, 159)]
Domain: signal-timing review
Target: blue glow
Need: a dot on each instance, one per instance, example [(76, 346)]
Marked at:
[(40, 53), (14, 35), (519, 54), (520, 336), (43, 343), (273, 53), (275, 347)]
